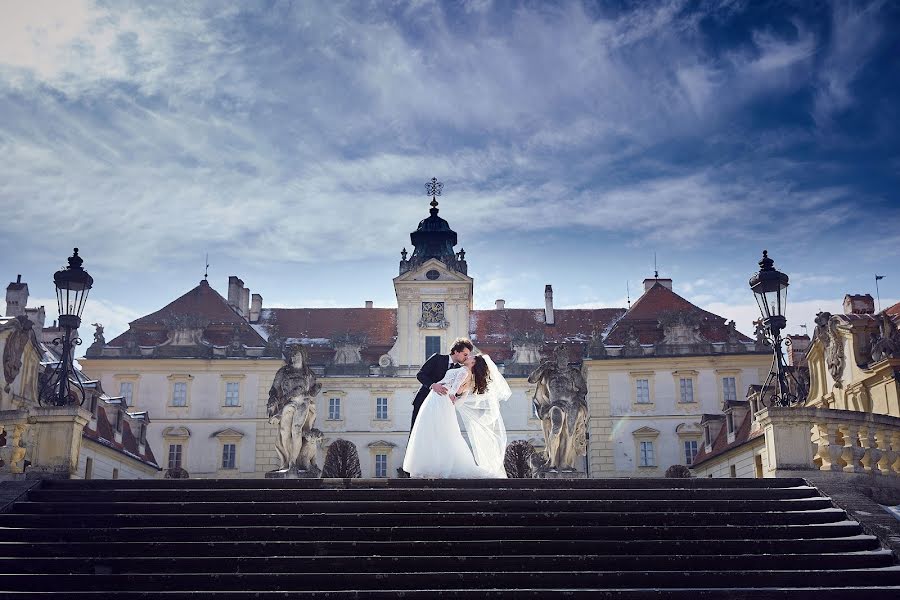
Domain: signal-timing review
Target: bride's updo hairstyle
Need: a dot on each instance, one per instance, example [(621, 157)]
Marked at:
[(481, 374)]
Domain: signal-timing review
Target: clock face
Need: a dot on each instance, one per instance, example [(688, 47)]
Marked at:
[(432, 312), (432, 274)]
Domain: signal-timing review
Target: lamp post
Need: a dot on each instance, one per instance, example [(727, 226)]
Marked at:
[(72, 286), (770, 289)]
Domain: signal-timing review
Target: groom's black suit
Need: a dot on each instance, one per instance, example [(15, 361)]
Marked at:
[(431, 372)]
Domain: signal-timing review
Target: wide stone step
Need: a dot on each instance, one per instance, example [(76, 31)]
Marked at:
[(304, 548), (263, 495), (425, 533), (401, 484), (347, 581), (473, 519), (435, 506), (868, 592), (438, 564)]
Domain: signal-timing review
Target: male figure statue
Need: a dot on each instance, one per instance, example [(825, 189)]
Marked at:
[(291, 406)]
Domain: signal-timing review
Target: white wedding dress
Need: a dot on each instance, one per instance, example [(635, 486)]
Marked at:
[(436, 446)]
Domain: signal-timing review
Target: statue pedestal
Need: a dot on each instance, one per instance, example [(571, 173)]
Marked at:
[(295, 474), (560, 475), (57, 441)]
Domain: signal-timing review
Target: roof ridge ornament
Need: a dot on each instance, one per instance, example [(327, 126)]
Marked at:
[(433, 188)]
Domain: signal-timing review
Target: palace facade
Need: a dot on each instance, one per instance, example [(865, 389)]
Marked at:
[(203, 365)]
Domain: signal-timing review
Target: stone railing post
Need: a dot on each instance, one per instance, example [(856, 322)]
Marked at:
[(853, 452), (788, 434), (57, 440), (872, 451)]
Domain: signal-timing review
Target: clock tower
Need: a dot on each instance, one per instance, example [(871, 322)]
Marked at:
[(434, 293)]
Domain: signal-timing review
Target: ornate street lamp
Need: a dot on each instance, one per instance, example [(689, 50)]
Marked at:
[(72, 287), (770, 289)]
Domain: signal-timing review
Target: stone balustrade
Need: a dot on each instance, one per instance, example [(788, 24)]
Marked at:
[(822, 439)]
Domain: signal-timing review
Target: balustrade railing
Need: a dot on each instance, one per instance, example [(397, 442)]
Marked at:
[(839, 440)]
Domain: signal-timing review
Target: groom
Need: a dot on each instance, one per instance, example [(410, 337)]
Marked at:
[(434, 370)]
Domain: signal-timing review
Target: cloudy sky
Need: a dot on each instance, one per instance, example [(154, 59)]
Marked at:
[(291, 142)]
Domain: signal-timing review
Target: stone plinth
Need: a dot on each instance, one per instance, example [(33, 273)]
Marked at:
[(543, 474), (57, 441), (294, 474)]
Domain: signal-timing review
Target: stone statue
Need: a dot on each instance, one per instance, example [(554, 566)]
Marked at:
[(560, 401), (292, 408), (887, 343), (98, 334), (13, 453)]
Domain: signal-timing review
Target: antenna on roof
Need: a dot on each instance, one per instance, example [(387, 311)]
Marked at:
[(878, 293), (804, 328), (206, 272), (628, 294), (655, 268)]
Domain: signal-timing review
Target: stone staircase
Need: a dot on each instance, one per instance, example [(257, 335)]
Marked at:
[(613, 538)]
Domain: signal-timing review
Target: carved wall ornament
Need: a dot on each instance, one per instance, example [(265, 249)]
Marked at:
[(433, 316), (886, 344), (184, 330), (632, 346), (826, 331), (14, 349), (681, 328), (595, 348)]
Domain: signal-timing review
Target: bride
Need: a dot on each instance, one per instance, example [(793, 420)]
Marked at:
[(436, 446)]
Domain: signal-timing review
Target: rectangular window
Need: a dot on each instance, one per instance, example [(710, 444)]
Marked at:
[(229, 451), (88, 468), (647, 459), (687, 389), (643, 391), (381, 409), (381, 465), (729, 388), (232, 394), (179, 394), (334, 409), (174, 456), (432, 345), (729, 419), (115, 473), (120, 420), (126, 390), (690, 451)]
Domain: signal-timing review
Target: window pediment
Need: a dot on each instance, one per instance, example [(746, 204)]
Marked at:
[(645, 432)]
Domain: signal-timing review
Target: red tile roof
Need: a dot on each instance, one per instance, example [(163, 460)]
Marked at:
[(493, 331), (720, 444), (644, 314), (316, 327), (105, 434), (201, 302)]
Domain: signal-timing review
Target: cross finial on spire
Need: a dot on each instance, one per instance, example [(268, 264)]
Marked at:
[(433, 188), (206, 272)]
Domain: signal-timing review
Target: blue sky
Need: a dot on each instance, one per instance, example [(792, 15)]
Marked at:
[(292, 140)]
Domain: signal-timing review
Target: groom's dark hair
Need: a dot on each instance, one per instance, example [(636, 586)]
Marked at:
[(460, 343)]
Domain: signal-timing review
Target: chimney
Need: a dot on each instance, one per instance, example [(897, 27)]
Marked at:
[(651, 281), (548, 302), (799, 345), (245, 302), (859, 304), (235, 291), (38, 317), (369, 304), (255, 308), (500, 304), (16, 298)]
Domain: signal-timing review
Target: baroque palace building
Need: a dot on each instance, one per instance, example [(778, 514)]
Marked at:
[(203, 365)]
